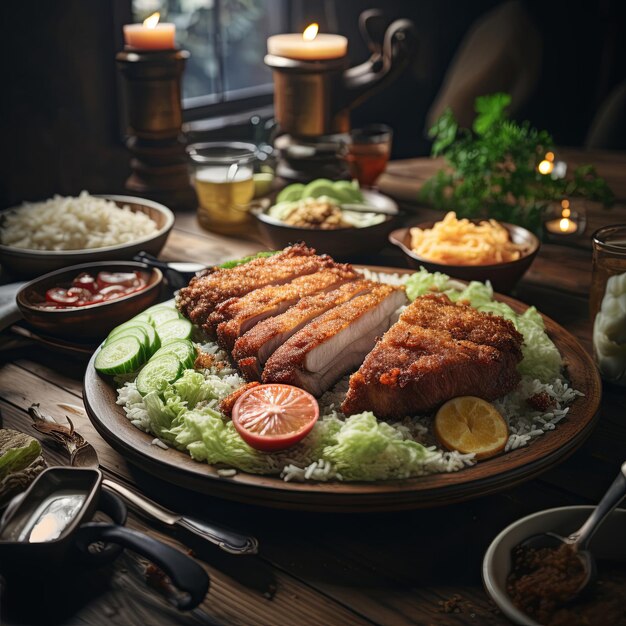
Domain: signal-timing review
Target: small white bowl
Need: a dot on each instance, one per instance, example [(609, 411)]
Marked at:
[(609, 541)]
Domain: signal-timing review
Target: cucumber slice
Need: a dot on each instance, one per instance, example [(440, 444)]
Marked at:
[(133, 331), (154, 341), (142, 317), (158, 317), (157, 373), (182, 349), (175, 329), (121, 356)]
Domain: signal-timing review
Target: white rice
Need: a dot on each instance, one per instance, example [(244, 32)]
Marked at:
[(68, 223), (525, 423)]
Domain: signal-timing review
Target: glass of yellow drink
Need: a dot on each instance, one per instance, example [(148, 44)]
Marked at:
[(222, 174)]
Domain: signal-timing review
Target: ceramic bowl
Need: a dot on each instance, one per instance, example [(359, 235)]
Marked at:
[(30, 263), (92, 322), (503, 276), (343, 244), (609, 542)]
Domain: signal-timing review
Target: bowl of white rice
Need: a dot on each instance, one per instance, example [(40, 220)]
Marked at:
[(38, 237)]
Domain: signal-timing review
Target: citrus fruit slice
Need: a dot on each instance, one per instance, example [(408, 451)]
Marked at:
[(273, 417), (262, 183), (470, 424)]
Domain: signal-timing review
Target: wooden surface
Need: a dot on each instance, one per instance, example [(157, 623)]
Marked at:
[(489, 476), (415, 567)]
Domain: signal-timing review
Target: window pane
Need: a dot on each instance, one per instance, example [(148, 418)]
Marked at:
[(246, 25), (226, 39)]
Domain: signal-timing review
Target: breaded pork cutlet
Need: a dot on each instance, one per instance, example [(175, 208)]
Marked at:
[(437, 350), (334, 343), (198, 300), (233, 317), (252, 349)]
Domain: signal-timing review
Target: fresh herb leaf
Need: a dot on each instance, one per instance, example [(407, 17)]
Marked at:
[(491, 110), (491, 169)]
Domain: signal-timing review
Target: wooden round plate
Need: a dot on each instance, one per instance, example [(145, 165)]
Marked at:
[(495, 474)]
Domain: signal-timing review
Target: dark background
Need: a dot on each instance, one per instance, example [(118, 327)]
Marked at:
[(60, 100)]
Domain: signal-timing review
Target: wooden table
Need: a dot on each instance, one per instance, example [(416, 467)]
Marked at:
[(419, 567)]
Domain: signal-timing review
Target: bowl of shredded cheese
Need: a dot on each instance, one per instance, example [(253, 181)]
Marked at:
[(470, 249)]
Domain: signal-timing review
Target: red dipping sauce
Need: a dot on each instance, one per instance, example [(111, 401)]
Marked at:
[(86, 289)]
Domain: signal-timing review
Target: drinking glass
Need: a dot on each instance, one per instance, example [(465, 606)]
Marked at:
[(222, 174), (368, 152), (607, 302)]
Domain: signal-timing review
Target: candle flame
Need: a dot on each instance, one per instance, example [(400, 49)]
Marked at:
[(564, 225), (549, 156), (565, 203), (545, 167), (310, 32), (152, 20)]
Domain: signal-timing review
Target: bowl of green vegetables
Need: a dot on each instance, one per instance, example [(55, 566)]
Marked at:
[(334, 217)]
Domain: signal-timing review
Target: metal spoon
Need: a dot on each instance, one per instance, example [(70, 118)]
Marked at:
[(580, 539), (178, 274)]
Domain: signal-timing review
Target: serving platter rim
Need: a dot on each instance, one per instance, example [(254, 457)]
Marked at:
[(486, 477)]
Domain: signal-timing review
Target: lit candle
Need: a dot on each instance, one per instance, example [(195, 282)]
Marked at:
[(150, 35), (563, 225), (308, 46)]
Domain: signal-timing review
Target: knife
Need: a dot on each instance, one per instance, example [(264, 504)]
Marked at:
[(83, 454)]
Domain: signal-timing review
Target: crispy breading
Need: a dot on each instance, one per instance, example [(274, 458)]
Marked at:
[(438, 350), (198, 300), (318, 355), (253, 348), (235, 316)]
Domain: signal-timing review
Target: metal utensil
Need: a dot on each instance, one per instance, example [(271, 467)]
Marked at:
[(178, 274), (580, 539), (83, 454)]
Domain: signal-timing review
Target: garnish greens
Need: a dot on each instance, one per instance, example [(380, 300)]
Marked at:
[(492, 168), (259, 255)]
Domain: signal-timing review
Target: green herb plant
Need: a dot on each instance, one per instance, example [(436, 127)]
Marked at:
[(492, 168)]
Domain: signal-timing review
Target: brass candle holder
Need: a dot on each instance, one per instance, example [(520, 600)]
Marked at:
[(155, 140), (313, 99)]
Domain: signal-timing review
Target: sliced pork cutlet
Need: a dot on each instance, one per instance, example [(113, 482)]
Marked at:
[(335, 342), (198, 300), (235, 316), (252, 350), (437, 351)]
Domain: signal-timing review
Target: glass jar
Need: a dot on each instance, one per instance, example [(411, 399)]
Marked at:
[(222, 175), (607, 302)]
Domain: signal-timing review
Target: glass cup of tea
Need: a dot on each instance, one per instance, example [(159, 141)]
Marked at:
[(607, 302), (368, 151), (222, 174)]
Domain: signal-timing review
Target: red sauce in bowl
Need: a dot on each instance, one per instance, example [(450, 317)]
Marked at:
[(86, 289)]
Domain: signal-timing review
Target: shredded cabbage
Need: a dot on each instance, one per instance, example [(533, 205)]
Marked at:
[(367, 449)]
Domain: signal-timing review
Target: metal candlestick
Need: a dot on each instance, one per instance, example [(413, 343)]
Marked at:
[(313, 99), (153, 100)]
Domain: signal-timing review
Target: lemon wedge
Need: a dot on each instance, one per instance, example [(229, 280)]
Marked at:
[(471, 425)]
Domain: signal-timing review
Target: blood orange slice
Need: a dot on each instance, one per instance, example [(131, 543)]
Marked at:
[(274, 417)]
